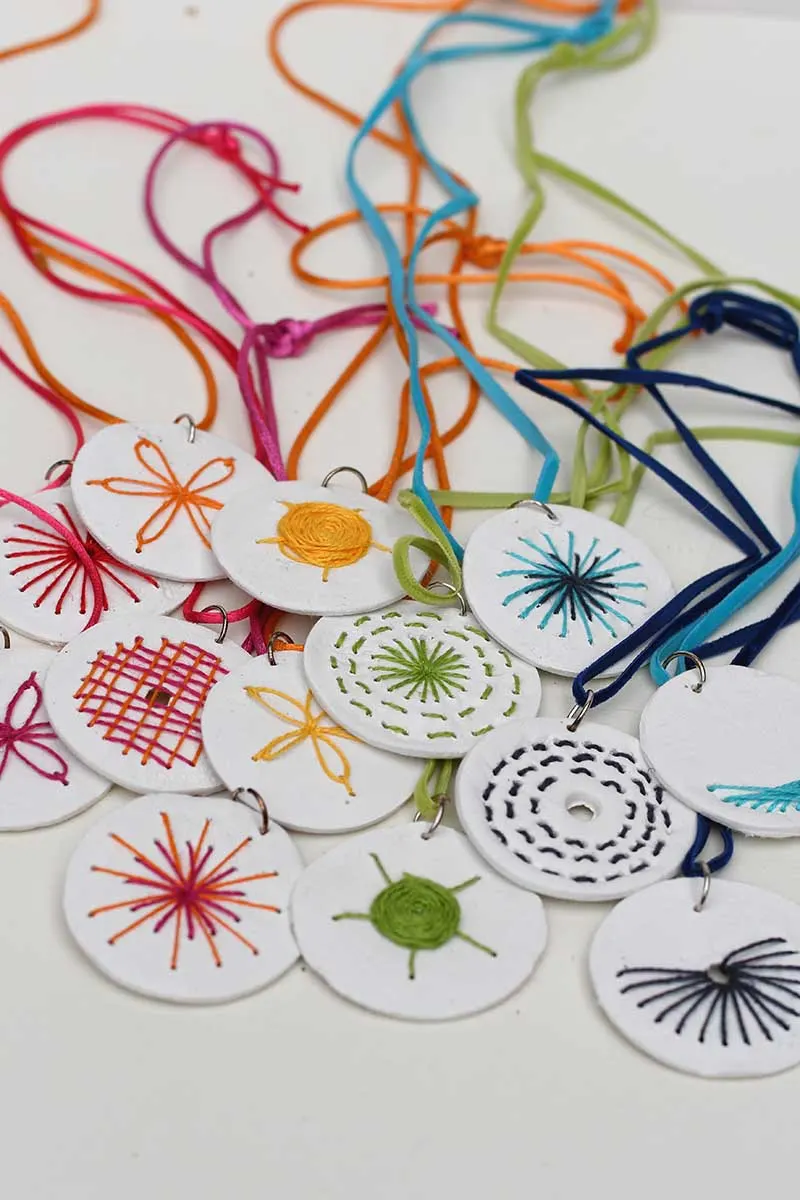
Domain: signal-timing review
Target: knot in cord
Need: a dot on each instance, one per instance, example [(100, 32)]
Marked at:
[(287, 338), (485, 252)]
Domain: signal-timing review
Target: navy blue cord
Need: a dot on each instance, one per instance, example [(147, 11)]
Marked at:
[(692, 865)]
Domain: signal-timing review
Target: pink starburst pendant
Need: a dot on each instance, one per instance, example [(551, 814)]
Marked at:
[(184, 899)]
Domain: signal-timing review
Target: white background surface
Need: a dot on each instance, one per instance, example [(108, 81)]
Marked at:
[(293, 1093)]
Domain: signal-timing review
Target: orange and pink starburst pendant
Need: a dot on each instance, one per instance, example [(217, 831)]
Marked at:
[(184, 899)]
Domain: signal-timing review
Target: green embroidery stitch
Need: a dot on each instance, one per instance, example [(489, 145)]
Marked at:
[(417, 914), (424, 671)]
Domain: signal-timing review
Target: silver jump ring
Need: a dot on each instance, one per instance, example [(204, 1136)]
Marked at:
[(190, 421), (452, 591), (579, 711), (701, 903), (51, 470), (277, 636), (541, 506), (239, 798), (223, 633), (440, 801), (695, 661), (346, 471), (6, 636)]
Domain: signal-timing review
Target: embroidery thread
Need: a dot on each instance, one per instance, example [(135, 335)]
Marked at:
[(581, 589), (425, 671), (779, 799), (149, 701), (24, 737), (306, 725), (48, 559), (193, 893), (328, 536), (176, 497), (417, 914), (749, 992)]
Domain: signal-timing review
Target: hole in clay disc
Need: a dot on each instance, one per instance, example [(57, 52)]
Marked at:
[(158, 697), (581, 810), (717, 974)]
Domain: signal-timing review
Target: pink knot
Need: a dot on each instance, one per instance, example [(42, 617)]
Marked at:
[(220, 140), (287, 338)]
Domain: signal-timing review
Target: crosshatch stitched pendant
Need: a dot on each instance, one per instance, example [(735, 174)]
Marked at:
[(45, 593), (321, 551), (560, 590), (415, 680), (181, 898), (41, 782), (729, 750), (263, 729), (414, 927), (148, 495), (127, 697), (714, 992), (576, 815)]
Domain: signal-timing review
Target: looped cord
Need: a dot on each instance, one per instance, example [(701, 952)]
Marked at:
[(435, 546), (692, 865)]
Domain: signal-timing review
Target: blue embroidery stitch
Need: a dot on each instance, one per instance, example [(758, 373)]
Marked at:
[(774, 799), (577, 588)]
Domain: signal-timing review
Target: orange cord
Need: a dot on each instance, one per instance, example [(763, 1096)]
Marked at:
[(54, 39)]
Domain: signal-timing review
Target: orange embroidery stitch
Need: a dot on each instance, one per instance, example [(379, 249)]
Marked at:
[(150, 701), (197, 894), (177, 497), (329, 536)]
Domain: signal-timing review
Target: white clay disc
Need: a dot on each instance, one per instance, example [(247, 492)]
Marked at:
[(149, 495), (175, 897), (44, 591), (560, 593), (321, 551), (573, 815), (41, 782), (482, 941), (730, 751), (263, 729), (127, 697), (715, 992), (416, 680)]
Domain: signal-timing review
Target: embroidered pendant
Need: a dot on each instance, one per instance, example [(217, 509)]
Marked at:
[(572, 815), (560, 586), (730, 749), (127, 697), (44, 590), (321, 551), (415, 680), (714, 992), (181, 898), (416, 927), (41, 782), (148, 495), (263, 729)]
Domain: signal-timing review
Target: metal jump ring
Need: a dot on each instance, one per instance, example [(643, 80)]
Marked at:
[(451, 590), (238, 798), (579, 711), (440, 801), (695, 661), (191, 423), (277, 636), (541, 506), (6, 636), (346, 471), (223, 633), (701, 903), (51, 470)]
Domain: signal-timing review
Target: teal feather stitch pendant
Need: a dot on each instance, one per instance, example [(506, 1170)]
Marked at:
[(418, 681), (411, 923), (730, 749), (558, 586)]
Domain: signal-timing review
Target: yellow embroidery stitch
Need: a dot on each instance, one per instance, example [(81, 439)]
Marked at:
[(306, 725), (329, 536)]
